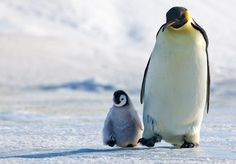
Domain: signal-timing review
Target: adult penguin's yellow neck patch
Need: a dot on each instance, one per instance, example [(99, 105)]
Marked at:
[(187, 15)]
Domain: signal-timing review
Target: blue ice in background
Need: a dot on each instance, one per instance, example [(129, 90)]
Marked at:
[(87, 85)]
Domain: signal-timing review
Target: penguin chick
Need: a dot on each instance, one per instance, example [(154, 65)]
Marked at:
[(122, 126)]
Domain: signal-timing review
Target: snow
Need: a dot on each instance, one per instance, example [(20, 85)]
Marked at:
[(61, 60), (66, 127)]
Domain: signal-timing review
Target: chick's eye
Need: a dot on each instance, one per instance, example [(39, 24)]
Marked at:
[(122, 98)]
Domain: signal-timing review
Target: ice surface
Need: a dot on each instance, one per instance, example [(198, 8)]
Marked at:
[(66, 127), (61, 60)]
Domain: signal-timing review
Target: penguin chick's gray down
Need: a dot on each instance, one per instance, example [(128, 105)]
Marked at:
[(122, 126)]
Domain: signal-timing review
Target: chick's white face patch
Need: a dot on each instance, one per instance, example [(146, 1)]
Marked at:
[(122, 102)]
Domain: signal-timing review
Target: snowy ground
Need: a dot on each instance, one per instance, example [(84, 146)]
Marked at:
[(66, 127), (60, 62)]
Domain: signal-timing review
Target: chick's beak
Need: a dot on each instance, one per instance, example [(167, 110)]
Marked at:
[(116, 100)]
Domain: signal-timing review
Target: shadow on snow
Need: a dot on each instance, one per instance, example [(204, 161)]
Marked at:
[(74, 152)]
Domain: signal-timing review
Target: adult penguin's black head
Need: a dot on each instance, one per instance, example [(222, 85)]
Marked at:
[(176, 17), (120, 98)]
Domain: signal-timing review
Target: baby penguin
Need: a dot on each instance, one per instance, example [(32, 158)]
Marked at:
[(122, 126)]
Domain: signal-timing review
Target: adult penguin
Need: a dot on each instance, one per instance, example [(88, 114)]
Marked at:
[(176, 83)]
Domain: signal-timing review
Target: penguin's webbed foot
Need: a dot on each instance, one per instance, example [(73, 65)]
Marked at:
[(130, 145), (147, 142), (151, 141), (188, 145), (111, 143)]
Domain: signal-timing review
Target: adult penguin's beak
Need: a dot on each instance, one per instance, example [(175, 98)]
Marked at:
[(170, 23)]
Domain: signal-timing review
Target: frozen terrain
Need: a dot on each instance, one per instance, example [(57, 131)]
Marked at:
[(61, 60), (66, 126)]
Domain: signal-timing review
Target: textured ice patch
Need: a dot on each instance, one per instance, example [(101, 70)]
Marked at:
[(86, 85)]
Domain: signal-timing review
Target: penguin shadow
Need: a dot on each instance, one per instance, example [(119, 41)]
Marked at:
[(78, 152)]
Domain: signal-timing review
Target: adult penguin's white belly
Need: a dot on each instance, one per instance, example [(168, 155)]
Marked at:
[(176, 83)]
